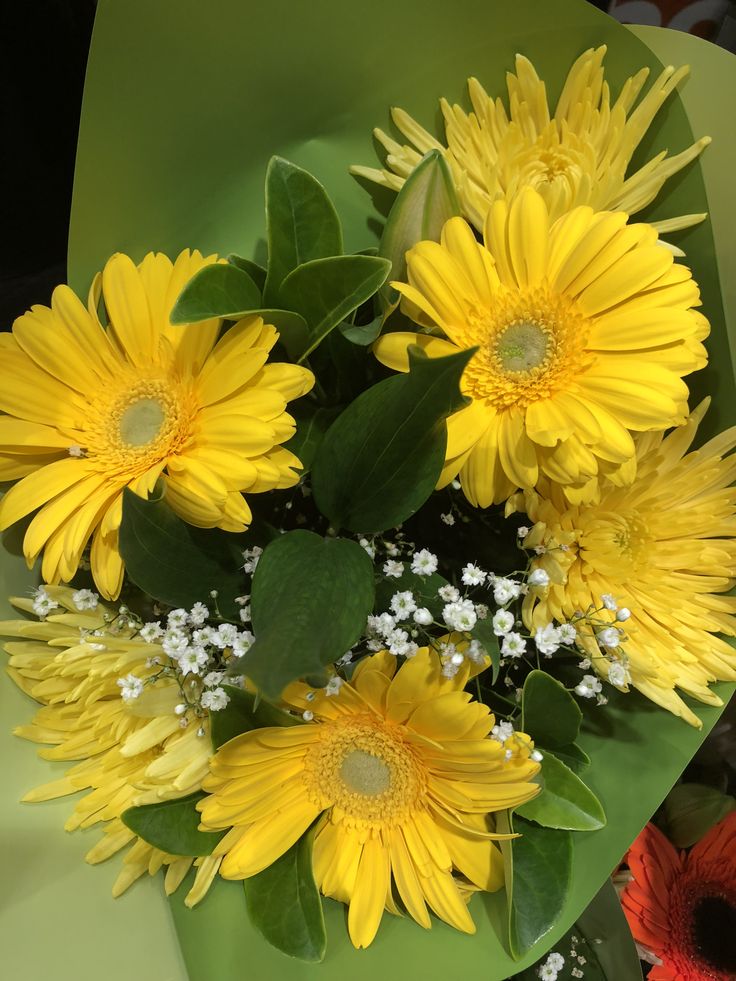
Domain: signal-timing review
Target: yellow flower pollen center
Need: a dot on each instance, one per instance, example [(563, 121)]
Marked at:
[(532, 343), (140, 424), (363, 769)]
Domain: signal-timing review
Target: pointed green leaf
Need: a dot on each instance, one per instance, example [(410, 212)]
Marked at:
[(172, 826), (310, 600), (550, 715), (564, 802), (381, 459), (325, 291), (242, 713), (176, 563), (362, 334), (284, 904), (302, 223), (483, 633), (573, 756), (542, 871), (257, 273), (425, 202), (219, 290)]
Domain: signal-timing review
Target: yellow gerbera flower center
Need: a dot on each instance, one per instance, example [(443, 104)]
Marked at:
[(532, 343), (364, 769), (139, 425)]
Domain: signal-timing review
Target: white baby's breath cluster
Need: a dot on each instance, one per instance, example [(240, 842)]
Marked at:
[(550, 968)]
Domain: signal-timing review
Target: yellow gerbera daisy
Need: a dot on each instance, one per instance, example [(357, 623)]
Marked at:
[(91, 411), (665, 549), (130, 753), (584, 329), (578, 156), (399, 774)]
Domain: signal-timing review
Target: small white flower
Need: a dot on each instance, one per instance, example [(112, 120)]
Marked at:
[(460, 615), (225, 635), (180, 709), (409, 649), (422, 616), (308, 715), (449, 670), (476, 652), (334, 685), (473, 575), (403, 604), (513, 645), (396, 640), (589, 686), (609, 602), (192, 660), (245, 614), (393, 569), (503, 622), (481, 611), (536, 756), (456, 485), (448, 593), (242, 643), (130, 687), (214, 678), (42, 602), (368, 547), (568, 633), (505, 590), (547, 973), (617, 674), (584, 664), (576, 973), (151, 632), (85, 599), (538, 577), (457, 658), (502, 731), (174, 643), (522, 532), (382, 625), (242, 600), (424, 562), (392, 549), (177, 619), (623, 614), (557, 961), (609, 637), (198, 614), (75, 450), (251, 556), (547, 640), (448, 519), (202, 636), (215, 699)]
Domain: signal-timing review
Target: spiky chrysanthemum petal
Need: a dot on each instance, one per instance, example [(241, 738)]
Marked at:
[(578, 155)]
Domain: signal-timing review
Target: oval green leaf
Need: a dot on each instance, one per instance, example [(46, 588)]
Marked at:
[(219, 290), (550, 715), (172, 826), (310, 600), (564, 802), (381, 459)]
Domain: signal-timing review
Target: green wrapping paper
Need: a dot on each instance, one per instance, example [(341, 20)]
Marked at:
[(184, 104)]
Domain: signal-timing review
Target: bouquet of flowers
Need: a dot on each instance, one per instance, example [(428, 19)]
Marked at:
[(383, 568)]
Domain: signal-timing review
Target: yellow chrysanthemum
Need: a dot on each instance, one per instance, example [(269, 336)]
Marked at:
[(584, 329), (130, 754), (665, 548), (91, 411), (578, 156), (399, 774)]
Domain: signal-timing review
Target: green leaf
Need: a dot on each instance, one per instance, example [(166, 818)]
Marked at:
[(312, 422), (542, 872), (573, 756), (565, 801), (550, 715), (257, 273), (326, 291), (218, 290), (176, 563), (284, 904), (362, 334), (301, 220), (424, 589), (381, 459), (483, 633), (242, 713), (692, 809), (604, 920), (172, 826), (310, 600), (425, 202), (292, 328)]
